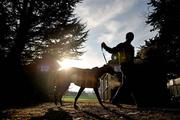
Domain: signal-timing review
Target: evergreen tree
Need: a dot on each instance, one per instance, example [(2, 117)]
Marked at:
[(33, 29), (160, 55), (36, 27), (164, 16)]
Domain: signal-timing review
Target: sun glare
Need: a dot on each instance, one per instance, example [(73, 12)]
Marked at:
[(68, 63), (65, 64)]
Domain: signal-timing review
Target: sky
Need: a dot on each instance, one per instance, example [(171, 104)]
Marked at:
[(108, 21)]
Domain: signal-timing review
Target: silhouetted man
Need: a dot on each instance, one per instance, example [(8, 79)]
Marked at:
[(122, 62)]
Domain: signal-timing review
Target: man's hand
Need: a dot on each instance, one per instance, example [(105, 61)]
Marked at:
[(103, 44)]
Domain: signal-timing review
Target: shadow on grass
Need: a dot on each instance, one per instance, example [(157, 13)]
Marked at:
[(52, 114)]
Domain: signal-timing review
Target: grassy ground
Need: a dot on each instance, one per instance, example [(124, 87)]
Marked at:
[(88, 111), (89, 98)]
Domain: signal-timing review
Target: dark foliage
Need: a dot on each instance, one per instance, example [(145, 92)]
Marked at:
[(32, 29), (159, 57), (165, 18)]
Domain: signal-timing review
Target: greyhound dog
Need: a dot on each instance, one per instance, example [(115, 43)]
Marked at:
[(84, 78)]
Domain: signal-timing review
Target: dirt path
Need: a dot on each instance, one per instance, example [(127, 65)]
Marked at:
[(89, 111)]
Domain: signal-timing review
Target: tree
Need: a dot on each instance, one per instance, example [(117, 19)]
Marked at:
[(165, 18), (37, 27), (160, 55), (32, 29)]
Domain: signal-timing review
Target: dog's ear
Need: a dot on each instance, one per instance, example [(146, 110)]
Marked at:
[(104, 65), (95, 68)]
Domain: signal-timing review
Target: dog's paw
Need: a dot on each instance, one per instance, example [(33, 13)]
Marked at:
[(77, 107)]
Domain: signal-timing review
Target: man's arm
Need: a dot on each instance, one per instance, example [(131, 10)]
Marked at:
[(108, 49)]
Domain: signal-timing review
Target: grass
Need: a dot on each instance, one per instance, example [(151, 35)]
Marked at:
[(89, 98)]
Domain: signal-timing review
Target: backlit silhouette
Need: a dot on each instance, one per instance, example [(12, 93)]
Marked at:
[(85, 78)]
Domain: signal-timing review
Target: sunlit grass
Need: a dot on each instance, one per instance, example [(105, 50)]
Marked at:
[(91, 98)]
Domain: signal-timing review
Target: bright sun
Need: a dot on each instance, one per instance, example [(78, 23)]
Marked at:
[(67, 63)]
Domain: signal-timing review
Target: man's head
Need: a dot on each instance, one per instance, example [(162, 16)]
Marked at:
[(129, 36)]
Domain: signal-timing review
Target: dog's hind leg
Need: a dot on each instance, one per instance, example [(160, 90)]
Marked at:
[(77, 96), (60, 100)]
